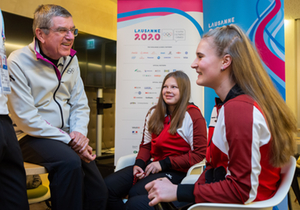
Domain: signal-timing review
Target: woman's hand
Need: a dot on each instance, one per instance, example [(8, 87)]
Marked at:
[(153, 168), (138, 172), (161, 190)]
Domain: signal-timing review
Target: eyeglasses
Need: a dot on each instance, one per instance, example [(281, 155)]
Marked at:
[(63, 31)]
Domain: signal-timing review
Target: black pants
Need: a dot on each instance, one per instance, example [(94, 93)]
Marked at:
[(119, 184), (13, 193), (74, 184)]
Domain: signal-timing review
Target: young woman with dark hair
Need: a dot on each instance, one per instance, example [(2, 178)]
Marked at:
[(174, 139)]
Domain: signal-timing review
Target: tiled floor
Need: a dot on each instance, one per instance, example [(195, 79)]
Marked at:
[(38, 206), (294, 202)]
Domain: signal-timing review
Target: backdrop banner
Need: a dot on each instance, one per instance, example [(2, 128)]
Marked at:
[(263, 22), (154, 38)]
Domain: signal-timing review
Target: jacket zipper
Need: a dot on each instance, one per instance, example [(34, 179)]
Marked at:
[(59, 106)]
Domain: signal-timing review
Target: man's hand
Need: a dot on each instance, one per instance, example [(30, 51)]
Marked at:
[(87, 154), (161, 190), (153, 168), (79, 141)]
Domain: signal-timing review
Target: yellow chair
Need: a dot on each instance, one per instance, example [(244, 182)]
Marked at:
[(41, 193)]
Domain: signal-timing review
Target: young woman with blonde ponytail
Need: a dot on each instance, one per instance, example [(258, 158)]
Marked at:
[(251, 130)]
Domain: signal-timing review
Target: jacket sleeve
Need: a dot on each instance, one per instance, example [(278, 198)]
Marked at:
[(145, 147), (241, 130), (185, 192), (22, 109), (79, 113), (197, 133)]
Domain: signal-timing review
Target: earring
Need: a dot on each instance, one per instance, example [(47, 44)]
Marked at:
[(222, 69)]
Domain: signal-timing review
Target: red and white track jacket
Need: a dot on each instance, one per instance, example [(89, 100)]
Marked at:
[(180, 151), (240, 141)]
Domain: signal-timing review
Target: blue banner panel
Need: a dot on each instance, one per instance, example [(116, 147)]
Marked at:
[(263, 22)]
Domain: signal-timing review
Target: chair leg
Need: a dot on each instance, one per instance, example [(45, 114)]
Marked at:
[(48, 203), (289, 201), (295, 187)]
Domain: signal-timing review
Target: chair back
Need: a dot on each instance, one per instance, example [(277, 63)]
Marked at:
[(287, 174), (124, 161)]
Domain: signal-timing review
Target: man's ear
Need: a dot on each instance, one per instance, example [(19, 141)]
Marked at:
[(40, 35), (226, 62)]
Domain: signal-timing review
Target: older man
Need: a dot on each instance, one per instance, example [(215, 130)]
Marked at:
[(49, 106)]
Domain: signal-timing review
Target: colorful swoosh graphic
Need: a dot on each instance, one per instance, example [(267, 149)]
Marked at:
[(159, 10), (270, 59)]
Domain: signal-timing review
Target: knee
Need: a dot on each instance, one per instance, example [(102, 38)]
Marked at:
[(70, 162), (119, 181), (136, 190)]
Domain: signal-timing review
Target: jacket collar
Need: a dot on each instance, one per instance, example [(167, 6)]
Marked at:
[(234, 92), (35, 46)]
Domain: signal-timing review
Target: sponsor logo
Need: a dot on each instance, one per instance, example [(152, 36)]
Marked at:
[(139, 92), (148, 88), (135, 127)]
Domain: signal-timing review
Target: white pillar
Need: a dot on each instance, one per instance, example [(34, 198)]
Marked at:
[(99, 122)]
